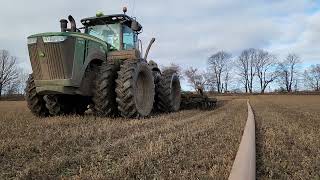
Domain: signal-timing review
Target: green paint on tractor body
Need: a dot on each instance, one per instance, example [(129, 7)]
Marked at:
[(76, 51)]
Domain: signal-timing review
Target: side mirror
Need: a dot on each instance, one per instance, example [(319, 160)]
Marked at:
[(135, 26)]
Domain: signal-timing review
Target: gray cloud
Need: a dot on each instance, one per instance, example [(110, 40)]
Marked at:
[(187, 32)]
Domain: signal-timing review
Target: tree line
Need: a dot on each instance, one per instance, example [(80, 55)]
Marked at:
[(254, 70)]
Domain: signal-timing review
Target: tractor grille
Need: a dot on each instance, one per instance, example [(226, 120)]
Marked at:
[(35, 63), (56, 61)]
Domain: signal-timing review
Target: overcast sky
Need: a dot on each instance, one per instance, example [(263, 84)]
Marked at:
[(187, 32)]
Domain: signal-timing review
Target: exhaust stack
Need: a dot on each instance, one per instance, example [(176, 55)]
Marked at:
[(148, 49), (64, 25), (73, 24)]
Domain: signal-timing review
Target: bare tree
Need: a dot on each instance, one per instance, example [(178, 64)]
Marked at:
[(8, 70), (174, 68), (219, 64), (210, 80), (287, 71), (12, 88), (312, 77), (265, 68), (17, 87), (195, 78), (246, 66)]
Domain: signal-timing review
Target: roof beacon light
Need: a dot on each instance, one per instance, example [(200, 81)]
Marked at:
[(99, 14), (124, 10)]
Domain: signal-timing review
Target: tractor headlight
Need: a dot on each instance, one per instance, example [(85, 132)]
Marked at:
[(32, 40), (53, 39)]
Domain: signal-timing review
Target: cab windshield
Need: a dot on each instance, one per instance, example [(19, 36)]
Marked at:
[(109, 33)]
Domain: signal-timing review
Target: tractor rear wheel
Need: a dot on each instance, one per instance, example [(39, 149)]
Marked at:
[(169, 92), (35, 101), (156, 77), (135, 89), (104, 98)]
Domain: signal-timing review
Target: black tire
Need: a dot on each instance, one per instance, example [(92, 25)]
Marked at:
[(35, 101), (135, 89), (56, 105), (169, 92), (156, 77), (104, 98), (66, 104), (81, 107), (77, 104)]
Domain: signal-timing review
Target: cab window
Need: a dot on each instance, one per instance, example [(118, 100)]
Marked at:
[(128, 38)]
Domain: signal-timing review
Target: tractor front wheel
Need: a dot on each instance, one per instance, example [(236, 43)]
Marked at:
[(35, 102)]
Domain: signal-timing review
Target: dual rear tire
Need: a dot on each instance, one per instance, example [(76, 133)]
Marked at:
[(136, 93), (168, 92), (125, 90), (135, 89)]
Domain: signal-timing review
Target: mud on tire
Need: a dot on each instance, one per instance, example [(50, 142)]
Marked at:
[(35, 101), (168, 92), (135, 89), (104, 98)]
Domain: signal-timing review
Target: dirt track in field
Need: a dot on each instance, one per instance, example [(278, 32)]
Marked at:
[(185, 145)]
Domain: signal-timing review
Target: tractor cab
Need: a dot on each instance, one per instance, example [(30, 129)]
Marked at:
[(119, 31)]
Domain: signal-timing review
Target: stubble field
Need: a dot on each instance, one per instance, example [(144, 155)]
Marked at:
[(288, 136), (187, 144), (184, 145)]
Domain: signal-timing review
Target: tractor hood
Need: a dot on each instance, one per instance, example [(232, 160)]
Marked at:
[(61, 58), (52, 37)]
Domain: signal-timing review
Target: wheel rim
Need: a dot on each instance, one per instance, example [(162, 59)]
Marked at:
[(143, 93)]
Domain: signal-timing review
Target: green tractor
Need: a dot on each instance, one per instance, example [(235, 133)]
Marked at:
[(98, 66)]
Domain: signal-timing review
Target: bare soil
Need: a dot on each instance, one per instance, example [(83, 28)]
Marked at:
[(184, 145)]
